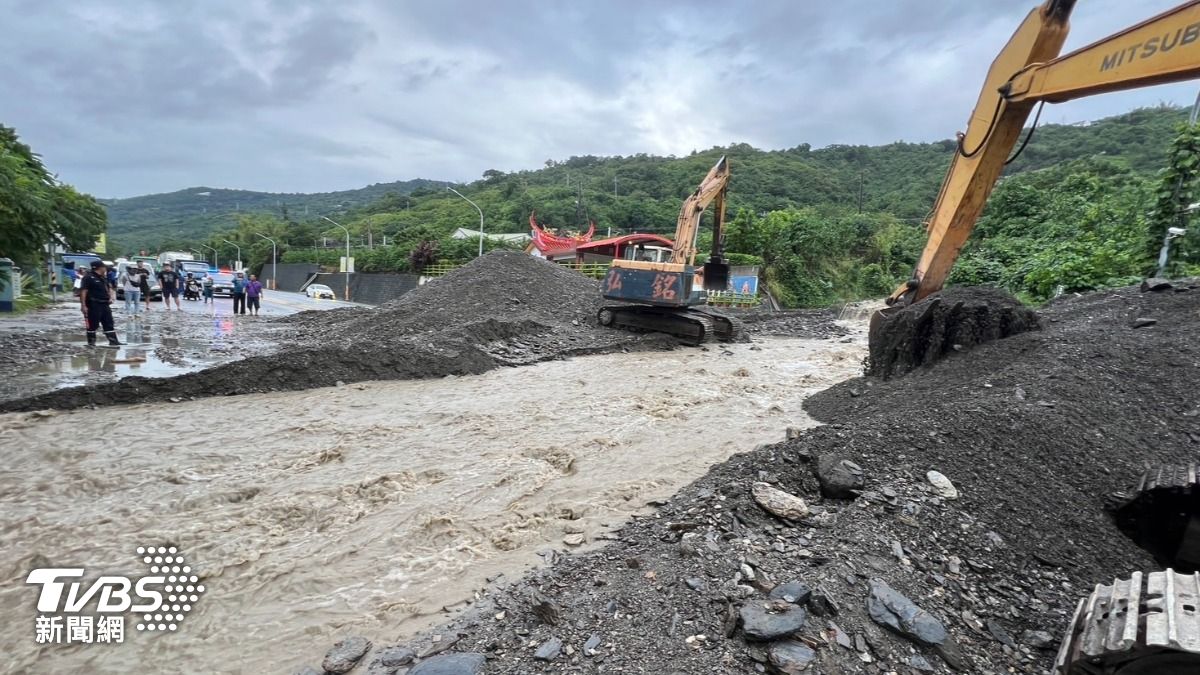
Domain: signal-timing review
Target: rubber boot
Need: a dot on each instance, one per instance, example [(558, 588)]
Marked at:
[(112, 339), (91, 336)]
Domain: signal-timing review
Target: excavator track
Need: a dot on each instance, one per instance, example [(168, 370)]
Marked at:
[(1162, 514), (689, 325), (1144, 625)]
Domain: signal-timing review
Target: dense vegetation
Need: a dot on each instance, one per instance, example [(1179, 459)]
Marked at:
[(37, 210), (841, 222)]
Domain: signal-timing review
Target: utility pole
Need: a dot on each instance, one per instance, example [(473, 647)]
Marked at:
[(347, 295), (274, 250), (480, 216), (238, 267), (614, 204)]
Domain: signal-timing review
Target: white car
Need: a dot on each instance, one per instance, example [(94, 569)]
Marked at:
[(319, 291)]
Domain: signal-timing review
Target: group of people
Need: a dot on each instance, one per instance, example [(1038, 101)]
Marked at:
[(97, 288)]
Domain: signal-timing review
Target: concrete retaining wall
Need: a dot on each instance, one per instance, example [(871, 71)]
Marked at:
[(291, 275), (371, 289)]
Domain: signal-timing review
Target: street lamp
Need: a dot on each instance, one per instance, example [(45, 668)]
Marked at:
[(480, 216), (238, 268), (214, 264), (274, 279), (347, 294)]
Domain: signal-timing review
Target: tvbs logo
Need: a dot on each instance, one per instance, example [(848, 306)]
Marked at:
[(95, 612)]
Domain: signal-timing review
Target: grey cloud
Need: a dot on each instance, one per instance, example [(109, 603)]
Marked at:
[(124, 97)]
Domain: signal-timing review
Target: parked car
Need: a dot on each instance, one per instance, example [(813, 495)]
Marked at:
[(222, 283), (155, 288), (319, 291), (197, 268)]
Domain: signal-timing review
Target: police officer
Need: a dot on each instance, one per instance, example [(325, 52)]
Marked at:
[(95, 299)]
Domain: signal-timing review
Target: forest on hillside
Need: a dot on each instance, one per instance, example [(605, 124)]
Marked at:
[(837, 223)]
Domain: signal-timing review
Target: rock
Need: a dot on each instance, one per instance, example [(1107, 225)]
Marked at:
[(793, 433), (545, 609), (892, 610), (345, 654), (760, 624), (589, 647), (795, 592), (840, 478), (394, 657), (1142, 322), (1000, 634), (695, 583), (778, 502), (918, 662), (549, 650), (840, 636), (791, 657), (1156, 284), (821, 603), (461, 663), (942, 485), (1038, 639), (573, 539)]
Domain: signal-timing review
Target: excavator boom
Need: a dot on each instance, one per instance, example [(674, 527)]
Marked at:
[(1027, 71)]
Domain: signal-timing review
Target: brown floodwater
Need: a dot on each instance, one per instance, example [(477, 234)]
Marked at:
[(372, 508)]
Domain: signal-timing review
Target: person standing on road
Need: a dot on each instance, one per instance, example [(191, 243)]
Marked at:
[(254, 291), (95, 300), (131, 284), (144, 284), (239, 293), (169, 280), (207, 284)]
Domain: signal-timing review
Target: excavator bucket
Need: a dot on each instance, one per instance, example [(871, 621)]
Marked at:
[(716, 275), (903, 338)]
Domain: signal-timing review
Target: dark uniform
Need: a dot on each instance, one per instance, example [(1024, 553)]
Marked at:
[(99, 309)]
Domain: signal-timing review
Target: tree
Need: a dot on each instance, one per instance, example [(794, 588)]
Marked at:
[(36, 208)]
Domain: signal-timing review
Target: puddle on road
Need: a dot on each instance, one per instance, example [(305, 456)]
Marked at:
[(162, 347), (366, 509)]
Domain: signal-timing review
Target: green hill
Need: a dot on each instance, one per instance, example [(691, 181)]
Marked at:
[(829, 224), (149, 221)]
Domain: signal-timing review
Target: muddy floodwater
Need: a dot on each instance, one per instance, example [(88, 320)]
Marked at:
[(369, 508)]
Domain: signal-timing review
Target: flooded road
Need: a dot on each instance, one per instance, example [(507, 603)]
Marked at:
[(159, 343), (367, 509)]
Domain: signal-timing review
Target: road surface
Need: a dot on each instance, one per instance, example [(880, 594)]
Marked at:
[(159, 343)]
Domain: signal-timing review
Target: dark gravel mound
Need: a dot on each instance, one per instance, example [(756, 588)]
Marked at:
[(811, 323), (956, 319), (503, 309), (1033, 431)]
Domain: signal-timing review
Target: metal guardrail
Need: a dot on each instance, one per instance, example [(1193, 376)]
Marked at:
[(439, 269), (731, 299)]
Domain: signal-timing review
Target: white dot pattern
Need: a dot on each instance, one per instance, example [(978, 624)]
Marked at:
[(168, 560)]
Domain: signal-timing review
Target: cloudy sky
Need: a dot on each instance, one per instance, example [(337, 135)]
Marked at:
[(127, 97)]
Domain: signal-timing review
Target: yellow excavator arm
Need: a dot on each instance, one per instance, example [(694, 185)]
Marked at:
[(712, 189), (1027, 71)]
